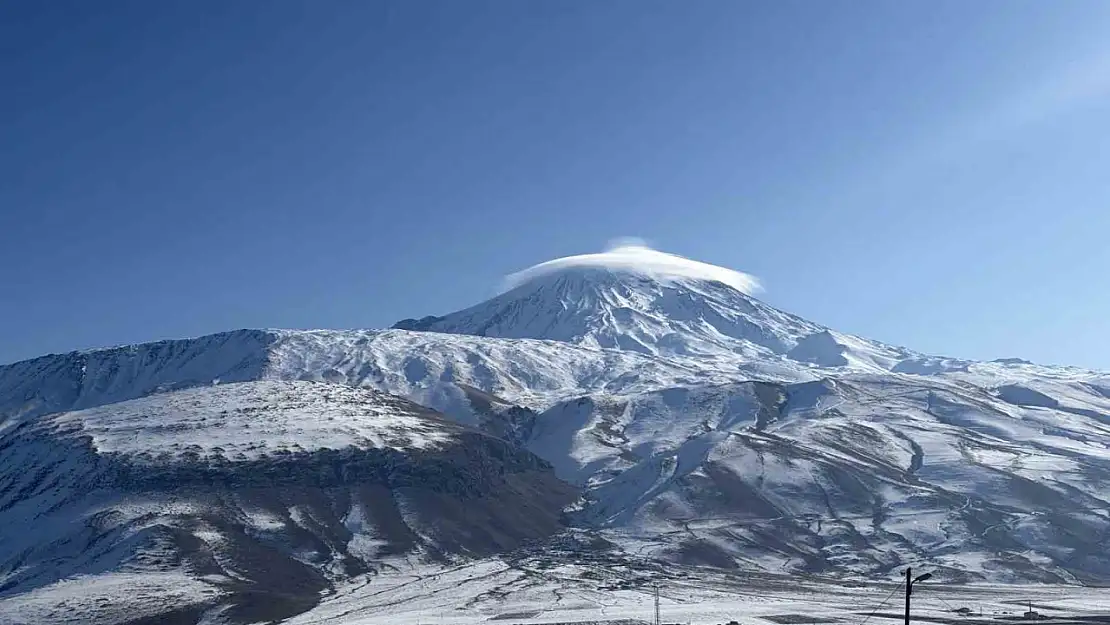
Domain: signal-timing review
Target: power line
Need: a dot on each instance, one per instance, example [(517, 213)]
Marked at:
[(949, 606), (880, 606)]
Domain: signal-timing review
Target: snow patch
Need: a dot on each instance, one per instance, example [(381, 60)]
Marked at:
[(244, 421), (107, 599)]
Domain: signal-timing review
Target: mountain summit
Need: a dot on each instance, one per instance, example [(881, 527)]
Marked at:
[(636, 299)]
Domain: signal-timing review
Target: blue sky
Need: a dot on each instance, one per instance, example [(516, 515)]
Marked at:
[(930, 174)]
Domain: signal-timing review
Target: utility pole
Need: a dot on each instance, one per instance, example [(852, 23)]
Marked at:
[(657, 621), (909, 584), (910, 581)]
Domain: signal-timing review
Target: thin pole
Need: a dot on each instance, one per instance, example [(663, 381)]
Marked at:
[(657, 621), (909, 586)]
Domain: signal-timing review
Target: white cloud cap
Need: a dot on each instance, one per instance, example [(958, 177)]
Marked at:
[(633, 255)]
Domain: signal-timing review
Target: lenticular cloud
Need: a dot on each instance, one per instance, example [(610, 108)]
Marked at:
[(635, 256)]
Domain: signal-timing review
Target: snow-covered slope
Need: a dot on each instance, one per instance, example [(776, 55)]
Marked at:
[(424, 367), (249, 500), (854, 474), (221, 422), (89, 378)]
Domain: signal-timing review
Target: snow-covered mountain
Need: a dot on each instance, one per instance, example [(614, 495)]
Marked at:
[(698, 312), (248, 500), (647, 401)]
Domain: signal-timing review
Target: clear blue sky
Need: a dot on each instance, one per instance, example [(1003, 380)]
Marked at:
[(934, 174)]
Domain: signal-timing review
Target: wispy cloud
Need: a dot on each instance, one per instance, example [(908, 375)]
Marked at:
[(1064, 90), (972, 132)]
